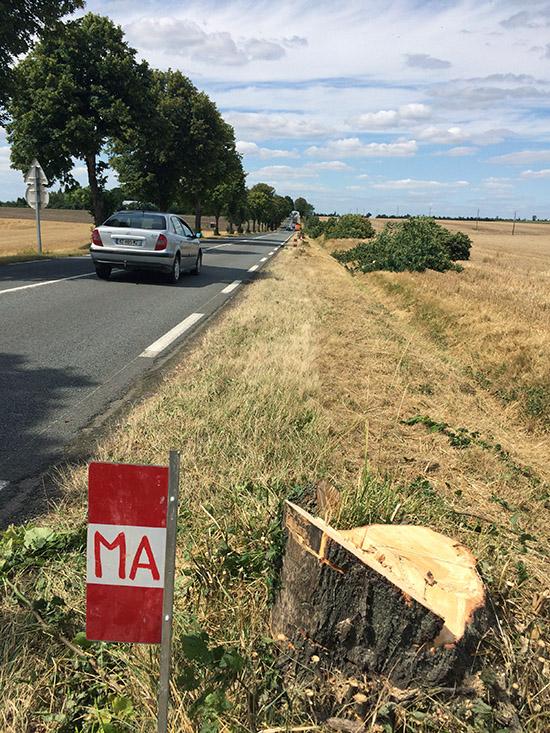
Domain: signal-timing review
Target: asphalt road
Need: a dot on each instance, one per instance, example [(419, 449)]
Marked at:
[(71, 344)]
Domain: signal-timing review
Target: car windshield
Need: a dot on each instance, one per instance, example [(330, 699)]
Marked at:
[(136, 220)]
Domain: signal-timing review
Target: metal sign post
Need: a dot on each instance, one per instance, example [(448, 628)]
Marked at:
[(168, 598), (37, 196), (37, 209)]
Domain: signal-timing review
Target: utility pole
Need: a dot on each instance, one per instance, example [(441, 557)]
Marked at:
[(514, 224), (477, 220)]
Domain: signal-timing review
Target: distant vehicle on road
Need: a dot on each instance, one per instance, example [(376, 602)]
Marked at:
[(146, 240)]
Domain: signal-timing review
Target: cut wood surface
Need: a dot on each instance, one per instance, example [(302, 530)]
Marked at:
[(399, 600)]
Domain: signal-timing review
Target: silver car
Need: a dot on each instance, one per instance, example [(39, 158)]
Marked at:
[(146, 240)]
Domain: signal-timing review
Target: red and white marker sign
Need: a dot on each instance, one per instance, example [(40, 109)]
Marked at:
[(127, 509)]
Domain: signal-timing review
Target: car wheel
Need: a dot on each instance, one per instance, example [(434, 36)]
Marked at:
[(175, 272), (198, 264), (103, 271)]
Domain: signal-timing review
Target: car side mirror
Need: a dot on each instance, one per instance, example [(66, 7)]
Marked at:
[(198, 235)]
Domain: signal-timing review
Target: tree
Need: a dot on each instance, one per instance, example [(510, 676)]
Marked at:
[(290, 202), (281, 210), (260, 199), (212, 144), (227, 196), (304, 207), (22, 21), (77, 91), (152, 159)]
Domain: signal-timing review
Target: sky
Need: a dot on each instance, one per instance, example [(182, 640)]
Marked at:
[(390, 106)]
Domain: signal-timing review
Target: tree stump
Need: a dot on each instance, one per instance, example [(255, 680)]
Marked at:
[(400, 601)]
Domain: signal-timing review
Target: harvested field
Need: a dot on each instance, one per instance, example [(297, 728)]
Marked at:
[(18, 236), (494, 318), (314, 376)]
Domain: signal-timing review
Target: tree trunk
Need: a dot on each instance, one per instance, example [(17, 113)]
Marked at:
[(216, 229), (230, 225), (198, 215), (96, 193), (397, 600), (248, 226), (254, 225)]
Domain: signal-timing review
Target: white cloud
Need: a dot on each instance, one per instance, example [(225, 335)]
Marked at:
[(281, 173), (495, 183), (4, 159), (330, 165), (522, 157), (250, 148), (352, 146), (294, 41), (264, 50), (440, 135), (391, 118), (184, 37), (413, 184), (414, 111), (307, 170), (263, 125), (543, 173), (383, 118), (425, 61), (459, 152)]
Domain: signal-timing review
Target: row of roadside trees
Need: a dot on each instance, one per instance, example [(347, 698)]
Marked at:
[(82, 94)]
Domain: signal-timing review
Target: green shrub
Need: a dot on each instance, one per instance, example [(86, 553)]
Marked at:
[(314, 227), (416, 244), (349, 226), (459, 245)]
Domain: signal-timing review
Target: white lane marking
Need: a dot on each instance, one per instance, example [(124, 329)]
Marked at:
[(264, 259), (253, 268), (46, 282), (3, 484), (171, 335), (231, 288), (217, 246), (271, 253)]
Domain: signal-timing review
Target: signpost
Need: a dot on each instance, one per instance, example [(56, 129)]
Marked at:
[(132, 522), (37, 195)]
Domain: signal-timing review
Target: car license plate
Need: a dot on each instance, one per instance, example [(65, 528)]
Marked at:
[(129, 242)]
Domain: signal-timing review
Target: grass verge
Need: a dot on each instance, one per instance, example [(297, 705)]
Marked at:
[(310, 377)]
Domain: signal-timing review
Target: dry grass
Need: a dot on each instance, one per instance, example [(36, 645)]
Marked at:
[(494, 317), (308, 377)]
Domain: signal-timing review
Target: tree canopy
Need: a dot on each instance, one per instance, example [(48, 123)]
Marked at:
[(76, 91), (152, 158), (304, 207), (23, 20)]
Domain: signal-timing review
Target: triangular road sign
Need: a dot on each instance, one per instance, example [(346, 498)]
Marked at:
[(33, 170)]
